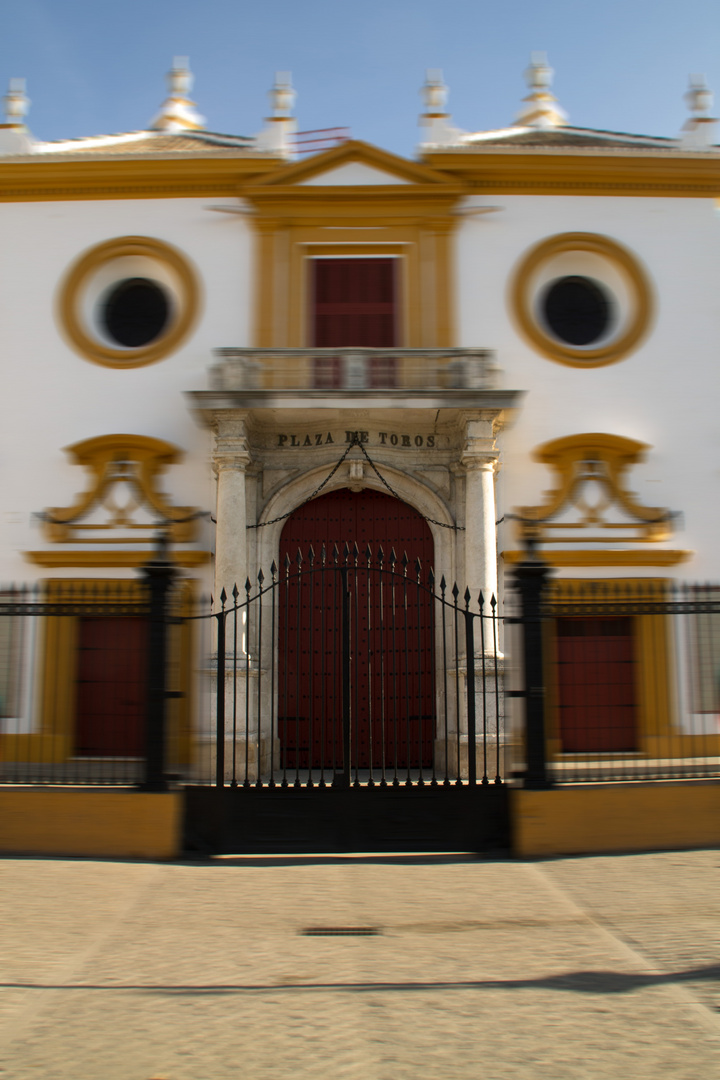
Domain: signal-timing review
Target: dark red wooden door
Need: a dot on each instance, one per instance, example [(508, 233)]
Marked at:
[(111, 686), (392, 655), (597, 684), (354, 303)]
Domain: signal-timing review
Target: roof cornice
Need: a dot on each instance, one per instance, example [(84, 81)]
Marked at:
[(177, 175), (598, 171)]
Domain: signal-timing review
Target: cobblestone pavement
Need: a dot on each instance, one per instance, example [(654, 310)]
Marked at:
[(586, 967)]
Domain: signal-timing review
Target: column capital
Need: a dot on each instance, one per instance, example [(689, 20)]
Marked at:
[(232, 449), (476, 459), (230, 459)]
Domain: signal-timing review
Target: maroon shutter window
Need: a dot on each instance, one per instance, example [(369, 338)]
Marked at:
[(354, 303)]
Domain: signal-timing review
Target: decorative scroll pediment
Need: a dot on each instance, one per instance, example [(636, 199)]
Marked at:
[(591, 503), (122, 502)]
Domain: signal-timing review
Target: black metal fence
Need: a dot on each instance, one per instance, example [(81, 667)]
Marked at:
[(84, 673), (349, 669), (629, 673), (345, 669)]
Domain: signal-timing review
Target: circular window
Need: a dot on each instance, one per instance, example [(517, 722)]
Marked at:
[(135, 312), (581, 299), (577, 310), (129, 302)]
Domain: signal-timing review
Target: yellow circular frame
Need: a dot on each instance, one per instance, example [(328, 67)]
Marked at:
[(90, 262), (522, 300)]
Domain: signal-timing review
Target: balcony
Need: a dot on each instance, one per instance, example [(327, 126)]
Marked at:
[(355, 372)]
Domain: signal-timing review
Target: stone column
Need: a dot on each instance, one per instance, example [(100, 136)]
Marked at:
[(231, 458), (480, 460)]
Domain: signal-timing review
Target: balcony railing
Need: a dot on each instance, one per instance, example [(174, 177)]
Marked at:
[(354, 369)]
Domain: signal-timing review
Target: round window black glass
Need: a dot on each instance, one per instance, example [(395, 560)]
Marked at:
[(136, 312), (576, 310)]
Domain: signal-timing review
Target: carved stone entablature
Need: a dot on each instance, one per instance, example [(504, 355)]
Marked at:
[(122, 502), (591, 503)]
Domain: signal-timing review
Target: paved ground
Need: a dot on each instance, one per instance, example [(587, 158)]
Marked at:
[(593, 967)]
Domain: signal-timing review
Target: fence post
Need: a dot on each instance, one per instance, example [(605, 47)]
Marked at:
[(220, 698), (470, 662), (158, 576), (530, 580), (342, 779)]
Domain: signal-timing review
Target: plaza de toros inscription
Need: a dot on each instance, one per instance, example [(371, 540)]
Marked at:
[(379, 438)]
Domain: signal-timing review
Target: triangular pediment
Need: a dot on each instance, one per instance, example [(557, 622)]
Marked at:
[(356, 164), (354, 173)]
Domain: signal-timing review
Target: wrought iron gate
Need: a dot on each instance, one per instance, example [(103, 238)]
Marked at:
[(356, 704)]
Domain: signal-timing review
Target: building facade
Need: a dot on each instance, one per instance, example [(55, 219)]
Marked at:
[(510, 340)]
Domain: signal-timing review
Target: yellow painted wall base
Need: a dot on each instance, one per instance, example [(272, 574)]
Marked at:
[(121, 824), (632, 817)]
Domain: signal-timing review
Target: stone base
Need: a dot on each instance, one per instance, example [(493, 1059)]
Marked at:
[(506, 756)]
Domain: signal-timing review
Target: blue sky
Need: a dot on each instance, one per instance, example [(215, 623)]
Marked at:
[(94, 67)]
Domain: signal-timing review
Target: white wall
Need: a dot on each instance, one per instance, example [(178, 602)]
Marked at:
[(53, 397), (665, 393)]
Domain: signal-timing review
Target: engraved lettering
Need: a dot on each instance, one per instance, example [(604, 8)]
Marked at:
[(418, 440), (383, 437), (406, 440), (282, 439), (329, 438), (294, 441), (431, 440), (351, 436), (318, 439), (364, 436), (308, 441), (394, 440)]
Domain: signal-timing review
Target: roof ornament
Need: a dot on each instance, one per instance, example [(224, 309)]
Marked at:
[(16, 104), (698, 131), (276, 136), (542, 109), (178, 112), (438, 131), (14, 135)]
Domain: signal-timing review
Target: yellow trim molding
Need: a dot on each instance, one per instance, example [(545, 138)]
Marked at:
[(534, 171), (296, 220), (218, 174), (133, 460), (184, 314), (523, 297), (596, 463), (130, 559), (607, 557)]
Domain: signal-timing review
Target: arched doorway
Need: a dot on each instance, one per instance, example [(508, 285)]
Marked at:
[(392, 694)]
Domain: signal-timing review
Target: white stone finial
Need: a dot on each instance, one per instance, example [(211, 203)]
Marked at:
[(16, 104), (178, 112), (276, 136), (539, 75), (282, 96), (438, 131), (541, 109), (14, 136), (698, 132), (180, 78), (434, 93)]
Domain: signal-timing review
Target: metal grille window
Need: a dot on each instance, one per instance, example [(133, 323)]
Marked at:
[(11, 663), (704, 652)]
